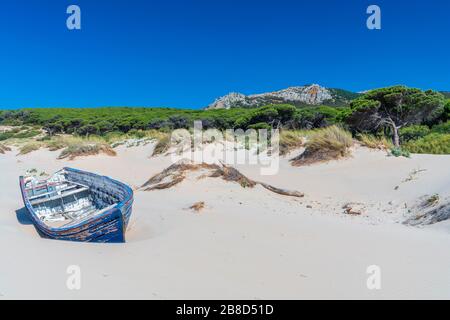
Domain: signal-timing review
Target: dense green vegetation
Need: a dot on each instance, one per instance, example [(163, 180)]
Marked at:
[(344, 94), (394, 108), (434, 143), (409, 117), (103, 120)]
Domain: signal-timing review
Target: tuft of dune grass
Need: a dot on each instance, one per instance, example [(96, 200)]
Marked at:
[(4, 149), (374, 142), (290, 140), (56, 143), (162, 145), (78, 147), (324, 145), (29, 147)]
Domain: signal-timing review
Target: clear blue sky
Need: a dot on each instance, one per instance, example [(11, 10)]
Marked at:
[(185, 53)]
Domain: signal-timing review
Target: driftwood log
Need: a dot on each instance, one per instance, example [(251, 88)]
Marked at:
[(283, 192), (176, 173), (173, 175)]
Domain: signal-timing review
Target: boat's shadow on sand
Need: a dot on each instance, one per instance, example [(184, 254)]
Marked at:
[(22, 216)]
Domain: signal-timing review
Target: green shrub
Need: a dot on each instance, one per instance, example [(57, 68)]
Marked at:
[(442, 128), (446, 115), (6, 135), (269, 115), (260, 125), (18, 133), (399, 152), (434, 143), (413, 132), (27, 134), (319, 117)]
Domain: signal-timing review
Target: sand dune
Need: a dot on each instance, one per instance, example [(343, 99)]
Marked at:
[(246, 242)]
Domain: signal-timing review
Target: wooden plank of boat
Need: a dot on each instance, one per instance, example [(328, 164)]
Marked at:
[(87, 217), (52, 192), (59, 196)]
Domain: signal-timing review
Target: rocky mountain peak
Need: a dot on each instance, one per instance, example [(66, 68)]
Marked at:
[(313, 94)]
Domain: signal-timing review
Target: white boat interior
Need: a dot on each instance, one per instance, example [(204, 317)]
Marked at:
[(58, 201)]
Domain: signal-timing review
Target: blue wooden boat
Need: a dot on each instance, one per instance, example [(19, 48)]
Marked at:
[(75, 205)]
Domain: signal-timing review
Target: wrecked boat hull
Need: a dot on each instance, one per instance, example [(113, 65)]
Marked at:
[(110, 226)]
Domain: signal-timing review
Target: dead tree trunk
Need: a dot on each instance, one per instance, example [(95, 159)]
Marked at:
[(396, 138), (395, 128)]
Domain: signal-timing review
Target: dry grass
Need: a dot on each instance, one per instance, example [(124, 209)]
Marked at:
[(4, 149), (56, 143), (431, 201), (373, 142), (430, 210), (73, 152), (79, 147), (162, 145), (29, 147), (290, 140), (324, 145), (76, 146)]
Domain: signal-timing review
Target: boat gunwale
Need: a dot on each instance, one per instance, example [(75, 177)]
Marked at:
[(42, 225)]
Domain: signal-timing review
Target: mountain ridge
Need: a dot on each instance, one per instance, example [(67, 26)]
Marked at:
[(307, 95)]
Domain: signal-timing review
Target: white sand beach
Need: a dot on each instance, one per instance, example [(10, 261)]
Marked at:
[(247, 243)]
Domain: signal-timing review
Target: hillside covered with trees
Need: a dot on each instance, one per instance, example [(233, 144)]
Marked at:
[(404, 115)]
